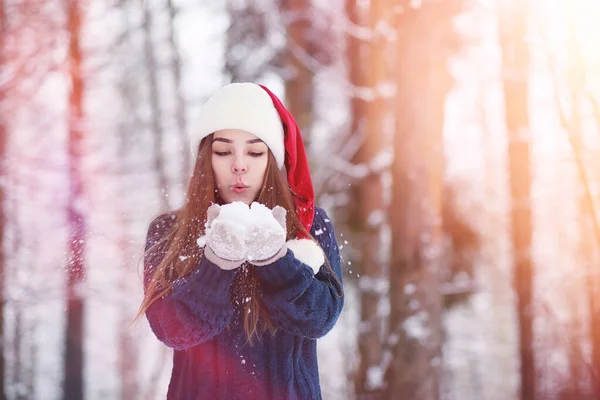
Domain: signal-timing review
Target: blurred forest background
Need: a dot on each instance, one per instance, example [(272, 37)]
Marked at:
[(455, 143)]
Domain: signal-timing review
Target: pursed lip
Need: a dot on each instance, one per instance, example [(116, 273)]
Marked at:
[(239, 187)]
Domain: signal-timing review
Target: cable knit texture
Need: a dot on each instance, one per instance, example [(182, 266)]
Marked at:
[(201, 320)]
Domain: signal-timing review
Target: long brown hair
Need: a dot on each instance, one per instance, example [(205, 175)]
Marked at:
[(189, 224)]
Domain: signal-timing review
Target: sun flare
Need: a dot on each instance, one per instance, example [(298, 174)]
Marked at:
[(565, 20)]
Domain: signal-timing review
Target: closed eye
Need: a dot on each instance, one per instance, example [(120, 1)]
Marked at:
[(221, 153), (255, 154)]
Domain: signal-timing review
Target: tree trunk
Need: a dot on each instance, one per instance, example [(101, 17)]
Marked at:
[(12, 275), (299, 85), (155, 110), (180, 101), (128, 348), (418, 169), (355, 60), (369, 338), (18, 352), (513, 28), (372, 122), (588, 220), (592, 293), (3, 176), (73, 384), (30, 383), (588, 231), (128, 136), (590, 255), (584, 254), (128, 353), (22, 366)]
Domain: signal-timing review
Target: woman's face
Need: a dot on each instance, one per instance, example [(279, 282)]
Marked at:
[(239, 162)]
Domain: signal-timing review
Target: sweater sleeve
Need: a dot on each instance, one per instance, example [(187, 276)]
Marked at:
[(298, 301), (198, 307)]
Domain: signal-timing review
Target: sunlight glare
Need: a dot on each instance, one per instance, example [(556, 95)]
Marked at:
[(557, 15)]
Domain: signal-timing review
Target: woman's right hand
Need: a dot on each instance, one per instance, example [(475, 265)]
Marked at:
[(225, 239)]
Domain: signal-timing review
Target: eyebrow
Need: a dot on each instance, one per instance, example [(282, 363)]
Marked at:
[(220, 139)]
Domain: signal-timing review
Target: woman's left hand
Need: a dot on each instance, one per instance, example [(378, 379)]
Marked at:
[(266, 236)]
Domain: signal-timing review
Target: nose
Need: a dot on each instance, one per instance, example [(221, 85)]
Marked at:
[(239, 166)]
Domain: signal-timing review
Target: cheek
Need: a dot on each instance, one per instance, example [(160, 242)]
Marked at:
[(219, 169), (260, 168)]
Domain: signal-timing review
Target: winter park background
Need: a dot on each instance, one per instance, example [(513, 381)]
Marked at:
[(454, 143)]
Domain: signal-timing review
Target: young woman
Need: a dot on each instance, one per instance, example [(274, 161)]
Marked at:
[(243, 279)]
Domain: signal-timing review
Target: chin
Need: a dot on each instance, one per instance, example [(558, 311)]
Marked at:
[(243, 198), (229, 196)]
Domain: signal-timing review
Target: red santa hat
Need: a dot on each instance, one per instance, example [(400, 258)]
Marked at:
[(255, 109)]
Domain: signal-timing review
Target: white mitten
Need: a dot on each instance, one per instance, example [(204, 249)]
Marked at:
[(265, 240), (226, 235)]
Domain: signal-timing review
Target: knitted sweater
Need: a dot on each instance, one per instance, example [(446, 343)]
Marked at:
[(201, 322)]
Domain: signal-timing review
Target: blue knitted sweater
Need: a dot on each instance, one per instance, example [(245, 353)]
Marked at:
[(203, 324)]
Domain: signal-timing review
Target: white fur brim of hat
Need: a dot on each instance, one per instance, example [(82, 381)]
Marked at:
[(244, 106)]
